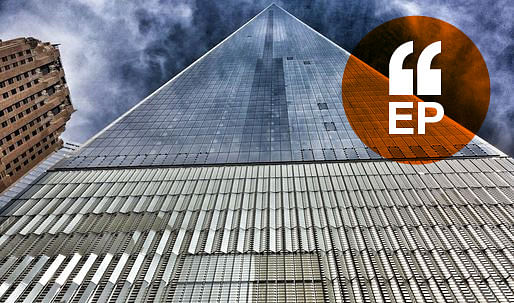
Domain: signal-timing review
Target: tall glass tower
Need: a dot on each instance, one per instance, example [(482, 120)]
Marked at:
[(241, 180)]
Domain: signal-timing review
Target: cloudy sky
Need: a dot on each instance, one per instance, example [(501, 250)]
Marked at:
[(117, 52)]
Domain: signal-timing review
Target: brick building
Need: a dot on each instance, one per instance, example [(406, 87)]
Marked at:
[(34, 105)]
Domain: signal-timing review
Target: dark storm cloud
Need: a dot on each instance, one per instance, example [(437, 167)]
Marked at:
[(117, 52)]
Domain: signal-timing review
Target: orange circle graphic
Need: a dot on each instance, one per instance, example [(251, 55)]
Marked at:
[(465, 90)]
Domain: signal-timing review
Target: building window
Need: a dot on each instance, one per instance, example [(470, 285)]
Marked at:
[(45, 70), (50, 91), (56, 110), (5, 95), (322, 106), (330, 126)]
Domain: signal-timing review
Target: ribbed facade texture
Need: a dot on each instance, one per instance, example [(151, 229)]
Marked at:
[(34, 105), (36, 172), (241, 180)]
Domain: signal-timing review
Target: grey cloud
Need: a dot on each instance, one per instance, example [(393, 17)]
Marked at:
[(117, 52)]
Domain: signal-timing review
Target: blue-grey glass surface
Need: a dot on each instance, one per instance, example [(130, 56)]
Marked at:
[(269, 93)]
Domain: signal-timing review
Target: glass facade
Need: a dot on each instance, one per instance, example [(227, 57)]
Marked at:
[(286, 205), (272, 92)]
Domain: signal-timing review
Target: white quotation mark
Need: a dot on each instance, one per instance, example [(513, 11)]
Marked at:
[(401, 82)]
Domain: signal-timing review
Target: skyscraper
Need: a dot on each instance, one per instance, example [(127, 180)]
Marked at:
[(34, 107), (241, 180)]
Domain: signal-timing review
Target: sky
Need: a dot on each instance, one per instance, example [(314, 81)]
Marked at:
[(117, 52)]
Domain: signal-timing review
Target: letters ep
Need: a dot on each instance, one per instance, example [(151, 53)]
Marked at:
[(401, 82)]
